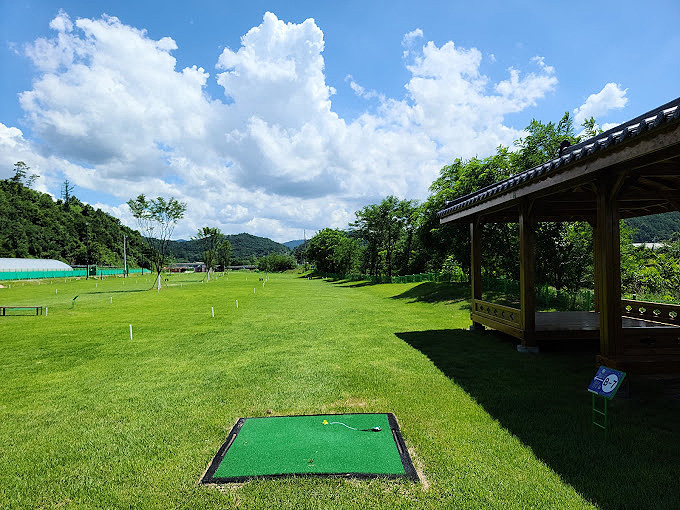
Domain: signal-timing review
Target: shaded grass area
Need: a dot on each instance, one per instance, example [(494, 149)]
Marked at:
[(431, 292), (92, 419), (542, 401)]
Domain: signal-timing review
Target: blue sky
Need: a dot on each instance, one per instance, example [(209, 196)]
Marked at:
[(299, 123)]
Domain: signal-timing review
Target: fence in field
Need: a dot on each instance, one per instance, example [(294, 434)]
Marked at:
[(505, 289), (76, 273)]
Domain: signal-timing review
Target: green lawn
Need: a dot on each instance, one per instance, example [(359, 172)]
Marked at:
[(90, 418)]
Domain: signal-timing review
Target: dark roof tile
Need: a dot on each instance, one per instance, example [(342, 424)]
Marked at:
[(648, 121)]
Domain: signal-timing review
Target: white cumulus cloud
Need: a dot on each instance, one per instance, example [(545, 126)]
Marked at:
[(611, 97), (271, 157)]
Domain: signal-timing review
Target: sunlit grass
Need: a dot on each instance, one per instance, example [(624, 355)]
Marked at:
[(91, 418)]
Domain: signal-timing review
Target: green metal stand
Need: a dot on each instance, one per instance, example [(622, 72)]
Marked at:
[(601, 414)]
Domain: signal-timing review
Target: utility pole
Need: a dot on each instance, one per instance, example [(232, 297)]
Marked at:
[(87, 271), (304, 262), (125, 271)]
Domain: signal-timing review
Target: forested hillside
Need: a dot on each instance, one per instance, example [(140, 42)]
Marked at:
[(33, 225), (655, 228)]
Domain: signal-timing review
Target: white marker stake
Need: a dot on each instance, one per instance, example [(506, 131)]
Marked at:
[(237, 303), (111, 298), (56, 291), (212, 309), (46, 311), (96, 285), (253, 290), (130, 331)]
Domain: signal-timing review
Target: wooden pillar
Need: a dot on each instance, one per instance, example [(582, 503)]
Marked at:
[(527, 291), (596, 269), (608, 252), (475, 265)]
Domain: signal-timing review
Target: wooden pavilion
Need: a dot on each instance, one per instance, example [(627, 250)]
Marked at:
[(628, 171)]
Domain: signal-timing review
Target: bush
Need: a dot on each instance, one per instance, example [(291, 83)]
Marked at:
[(276, 262)]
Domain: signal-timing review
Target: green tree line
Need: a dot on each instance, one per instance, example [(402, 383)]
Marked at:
[(401, 237)]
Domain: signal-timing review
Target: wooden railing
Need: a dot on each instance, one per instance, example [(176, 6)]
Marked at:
[(499, 313), (657, 312)]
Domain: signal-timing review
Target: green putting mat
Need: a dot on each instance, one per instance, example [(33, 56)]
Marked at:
[(304, 445)]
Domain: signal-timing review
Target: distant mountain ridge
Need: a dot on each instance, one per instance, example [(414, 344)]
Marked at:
[(293, 244), (245, 248)]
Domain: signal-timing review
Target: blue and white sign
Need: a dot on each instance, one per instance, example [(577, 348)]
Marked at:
[(606, 382)]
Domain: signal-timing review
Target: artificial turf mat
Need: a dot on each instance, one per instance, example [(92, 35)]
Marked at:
[(303, 445)]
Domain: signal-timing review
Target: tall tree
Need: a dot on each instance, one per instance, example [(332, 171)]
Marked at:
[(322, 250), (224, 254), (382, 227), (21, 176), (66, 192), (157, 219), (210, 239)]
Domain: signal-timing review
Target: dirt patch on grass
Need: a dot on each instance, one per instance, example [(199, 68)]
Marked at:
[(418, 465), (349, 403)]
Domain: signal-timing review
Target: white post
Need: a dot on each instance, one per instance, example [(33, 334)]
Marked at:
[(130, 331), (46, 311), (212, 309), (111, 298), (253, 290), (56, 291), (237, 303)]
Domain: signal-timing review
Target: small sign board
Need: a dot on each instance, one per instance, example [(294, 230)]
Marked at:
[(606, 382)]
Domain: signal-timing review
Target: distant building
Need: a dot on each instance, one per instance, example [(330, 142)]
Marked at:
[(649, 246), (183, 267)]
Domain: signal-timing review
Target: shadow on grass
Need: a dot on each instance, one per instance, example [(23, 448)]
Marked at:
[(115, 291), (542, 400), (349, 284), (431, 292)]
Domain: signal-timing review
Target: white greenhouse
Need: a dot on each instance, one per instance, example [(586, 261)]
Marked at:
[(11, 265), (23, 269)]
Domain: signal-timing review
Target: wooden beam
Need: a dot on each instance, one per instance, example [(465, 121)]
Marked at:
[(476, 264), (609, 271), (642, 196), (527, 265), (666, 184)]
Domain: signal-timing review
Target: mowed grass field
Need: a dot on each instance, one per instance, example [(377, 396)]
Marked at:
[(92, 419)]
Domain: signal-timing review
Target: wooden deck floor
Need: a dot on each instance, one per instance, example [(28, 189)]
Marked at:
[(586, 321), (586, 326)]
